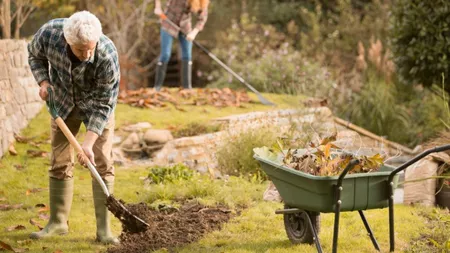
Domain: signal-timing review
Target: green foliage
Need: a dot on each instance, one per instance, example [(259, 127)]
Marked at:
[(195, 128), (159, 175), (404, 115), (420, 40), (235, 156), (267, 60), (436, 238)]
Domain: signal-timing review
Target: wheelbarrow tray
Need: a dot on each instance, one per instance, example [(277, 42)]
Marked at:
[(361, 191)]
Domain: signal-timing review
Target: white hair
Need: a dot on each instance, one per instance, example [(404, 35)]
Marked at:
[(81, 28)]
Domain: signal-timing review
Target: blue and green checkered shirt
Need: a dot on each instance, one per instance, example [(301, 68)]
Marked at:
[(92, 86)]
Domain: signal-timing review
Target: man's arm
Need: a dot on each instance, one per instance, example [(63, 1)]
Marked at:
[(37, 58), (105, 94)]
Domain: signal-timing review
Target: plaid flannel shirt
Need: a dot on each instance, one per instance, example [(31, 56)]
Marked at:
[(178, 11), (92, 86)]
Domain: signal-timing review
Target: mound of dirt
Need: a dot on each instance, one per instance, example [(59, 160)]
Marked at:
[(171, 227)]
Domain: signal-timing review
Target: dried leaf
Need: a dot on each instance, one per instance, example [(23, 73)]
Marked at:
[(44, 216), (17, 227), (35, 223), (25, 242), (43, 210), (18, 167), (328, 139), (5, 207), (6, 246), (34, 190), (21, 139), (36, 153), (58, 251), (2, 199), (12, 150)]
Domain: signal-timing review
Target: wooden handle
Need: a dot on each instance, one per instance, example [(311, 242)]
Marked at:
[(62, 125)]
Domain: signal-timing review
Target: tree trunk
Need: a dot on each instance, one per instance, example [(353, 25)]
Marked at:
[(6, 19), (18, 22)]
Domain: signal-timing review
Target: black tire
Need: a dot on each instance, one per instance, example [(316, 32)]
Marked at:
[(298, 229)]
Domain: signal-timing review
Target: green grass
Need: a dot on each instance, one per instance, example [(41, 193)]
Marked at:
[(258, 229)]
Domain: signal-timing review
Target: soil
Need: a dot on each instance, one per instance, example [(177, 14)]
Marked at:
[(171, 227)]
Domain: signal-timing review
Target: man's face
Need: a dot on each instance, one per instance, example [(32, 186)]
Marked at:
[(84, 51)]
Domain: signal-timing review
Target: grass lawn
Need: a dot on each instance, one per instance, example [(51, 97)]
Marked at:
[(258, 229)]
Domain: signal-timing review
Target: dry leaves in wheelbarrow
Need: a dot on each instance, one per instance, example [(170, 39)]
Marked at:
[(326, 159)]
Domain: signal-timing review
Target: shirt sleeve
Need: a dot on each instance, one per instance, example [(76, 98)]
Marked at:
[(105, 95), (37, 58), (201, 19)]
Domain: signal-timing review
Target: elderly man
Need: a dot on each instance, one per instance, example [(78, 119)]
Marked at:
[(81, 65)]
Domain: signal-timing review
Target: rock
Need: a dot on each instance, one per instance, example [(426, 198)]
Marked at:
[(137, 127), (153, 136), (118, 157), (131, 142)]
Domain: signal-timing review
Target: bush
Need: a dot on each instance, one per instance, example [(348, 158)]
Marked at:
[(419, 41), (194, 128), (386, 109), (282, 71), (159, 175), (266, 59), (235, 156)]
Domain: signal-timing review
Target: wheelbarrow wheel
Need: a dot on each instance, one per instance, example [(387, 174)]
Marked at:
[(297, 227)]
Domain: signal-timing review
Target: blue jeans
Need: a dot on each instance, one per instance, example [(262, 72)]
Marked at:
[(166, 47)]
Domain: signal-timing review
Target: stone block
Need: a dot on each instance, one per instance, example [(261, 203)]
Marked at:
[(4, 74), (2, 112), (18, 60)]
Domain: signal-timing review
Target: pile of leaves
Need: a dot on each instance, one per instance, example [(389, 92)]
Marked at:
[(323, 158), (150, 98)]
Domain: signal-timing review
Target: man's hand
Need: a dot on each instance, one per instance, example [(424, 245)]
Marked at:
[(191, 35), (88, 143), (43, 93), (87, 156)]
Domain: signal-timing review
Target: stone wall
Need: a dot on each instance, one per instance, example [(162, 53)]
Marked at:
[(198, 152), (19, 97)]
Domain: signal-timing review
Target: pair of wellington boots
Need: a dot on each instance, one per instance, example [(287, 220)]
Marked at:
[(61, 194), (186, 72)]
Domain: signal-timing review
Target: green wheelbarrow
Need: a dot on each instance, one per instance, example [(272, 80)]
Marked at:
[(306, 196)]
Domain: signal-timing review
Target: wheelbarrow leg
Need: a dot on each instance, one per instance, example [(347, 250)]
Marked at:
[(316, 237), (369, 230), (337, 213), (391, 217)]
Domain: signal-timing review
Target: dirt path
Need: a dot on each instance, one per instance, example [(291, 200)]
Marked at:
[(171, 228)]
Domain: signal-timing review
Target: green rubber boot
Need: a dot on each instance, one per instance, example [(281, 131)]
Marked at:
[(61, 194), (104, 234)]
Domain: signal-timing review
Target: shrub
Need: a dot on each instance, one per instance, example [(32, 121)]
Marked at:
[(419, 40), (194, 128), (235, 156), (280, 71), (159, 175)]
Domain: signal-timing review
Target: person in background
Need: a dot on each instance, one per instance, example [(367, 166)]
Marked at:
[(80, 64), (179, 12)]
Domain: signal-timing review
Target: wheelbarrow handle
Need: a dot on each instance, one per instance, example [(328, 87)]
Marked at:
[(66, 131), (417, 158)]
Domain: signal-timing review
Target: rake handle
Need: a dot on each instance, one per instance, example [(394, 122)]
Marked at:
[(66, 131)]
